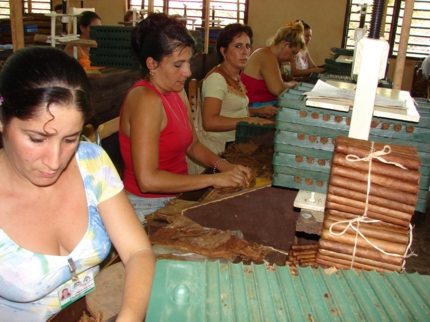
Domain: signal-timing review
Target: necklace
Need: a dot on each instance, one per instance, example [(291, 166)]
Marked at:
[(185, 126), (227, 72), (232, 82)]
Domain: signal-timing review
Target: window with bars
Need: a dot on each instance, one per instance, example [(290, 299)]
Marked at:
[(419, 35), (222, 12), (33, 6)]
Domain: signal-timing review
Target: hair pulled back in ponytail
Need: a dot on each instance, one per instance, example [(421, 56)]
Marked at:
[(158, 36), (291, 33)]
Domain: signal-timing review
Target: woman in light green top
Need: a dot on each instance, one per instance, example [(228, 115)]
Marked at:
[(225, 101)]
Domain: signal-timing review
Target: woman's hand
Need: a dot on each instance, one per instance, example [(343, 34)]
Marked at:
[(292, 84), (267, 111), (232, 175), (318, 70)]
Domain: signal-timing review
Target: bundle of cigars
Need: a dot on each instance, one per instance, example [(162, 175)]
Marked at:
[(302, 255), (367, 214)]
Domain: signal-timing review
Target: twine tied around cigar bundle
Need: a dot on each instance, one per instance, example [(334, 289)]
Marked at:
[(375, 155), (363, 219)]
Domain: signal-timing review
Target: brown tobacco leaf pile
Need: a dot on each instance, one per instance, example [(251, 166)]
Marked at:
[(256, 155), (187, 235), (86, 318)]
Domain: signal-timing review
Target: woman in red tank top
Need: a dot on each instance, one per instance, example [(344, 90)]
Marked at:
[(261, 75), (156, 132)]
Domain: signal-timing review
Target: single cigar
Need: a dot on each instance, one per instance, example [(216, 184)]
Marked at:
[(367, 230), (324, 262), (357, 259), (339, 263), (371, 215), (378, 168), (370, 253), (375, 190), (381, 180), (372, 208), (306, 256), (310, 246), (304, 252), (377, 201), (350, 239)]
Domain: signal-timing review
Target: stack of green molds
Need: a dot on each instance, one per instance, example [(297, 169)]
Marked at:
[(113, 47)]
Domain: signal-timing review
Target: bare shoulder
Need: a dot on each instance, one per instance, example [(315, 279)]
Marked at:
[(140, 99), (261, 52), (143, 109)]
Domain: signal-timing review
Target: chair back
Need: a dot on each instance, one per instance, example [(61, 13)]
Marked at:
[(103, 131)]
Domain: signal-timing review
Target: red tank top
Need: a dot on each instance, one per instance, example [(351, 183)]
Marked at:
[(172, 146), (257, 90)]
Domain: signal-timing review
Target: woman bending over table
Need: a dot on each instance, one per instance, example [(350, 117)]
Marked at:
[(262, 75), (156, 129), (62, 201)]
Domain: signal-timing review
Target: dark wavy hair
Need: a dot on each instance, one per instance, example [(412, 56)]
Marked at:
[(227, 34), (158, 36), (35, 77)]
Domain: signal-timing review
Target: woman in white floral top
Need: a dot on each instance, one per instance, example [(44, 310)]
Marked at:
[(62, 201), (303, 65)]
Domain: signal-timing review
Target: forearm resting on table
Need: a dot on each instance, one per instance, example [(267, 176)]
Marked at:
[(222, 124), (218, 123), (198, 151), (267, 111), (291, 84), (139, 273), (306, 72), (161, 181)]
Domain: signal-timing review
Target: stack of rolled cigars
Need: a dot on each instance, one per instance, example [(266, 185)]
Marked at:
[(302, 255), (392, 199)]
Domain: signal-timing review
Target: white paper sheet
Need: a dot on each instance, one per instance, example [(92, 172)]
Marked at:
[(324, 90)]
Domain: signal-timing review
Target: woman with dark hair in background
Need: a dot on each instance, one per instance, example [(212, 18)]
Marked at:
[(62, 203), (86, 19), (303, 65), (262, 75), (156, 129), (225, 101)]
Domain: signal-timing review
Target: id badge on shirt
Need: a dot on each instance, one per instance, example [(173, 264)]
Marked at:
[(76, 288)]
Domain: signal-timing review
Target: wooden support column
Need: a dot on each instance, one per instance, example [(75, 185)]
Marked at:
[(16, 25), (150, 6), (403, 44), (206, 25)]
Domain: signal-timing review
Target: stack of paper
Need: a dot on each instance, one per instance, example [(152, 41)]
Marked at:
[(328, 96)]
